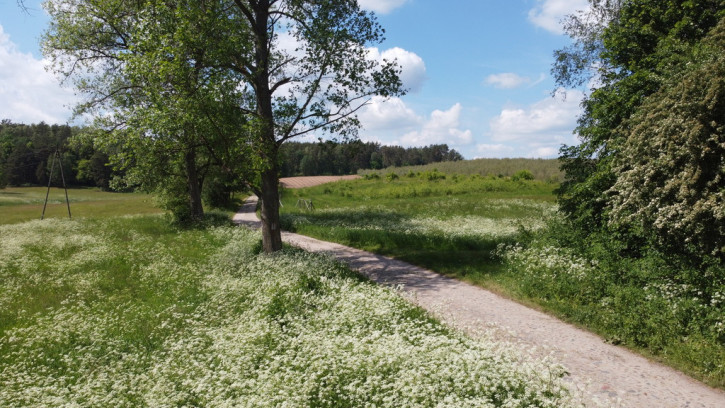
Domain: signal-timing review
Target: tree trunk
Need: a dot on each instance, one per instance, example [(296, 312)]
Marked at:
[(192, 180), (271, 234)]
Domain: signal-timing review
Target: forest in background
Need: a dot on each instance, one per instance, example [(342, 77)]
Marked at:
[(339, 158), (26, 153)]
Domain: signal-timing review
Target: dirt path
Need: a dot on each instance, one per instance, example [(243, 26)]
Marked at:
[(607, 375)]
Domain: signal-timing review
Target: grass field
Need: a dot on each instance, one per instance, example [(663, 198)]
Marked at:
[(506, 236), (452, 225), (133, 312), (542, 169), (19, 204)]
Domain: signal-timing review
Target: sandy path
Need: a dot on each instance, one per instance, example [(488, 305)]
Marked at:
[(311, 181), (611, 375)]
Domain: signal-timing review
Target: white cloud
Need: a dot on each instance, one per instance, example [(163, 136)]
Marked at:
[(381, 6), (412, 66), (391, 122), (506, 80), (548, 119), (28, 93), (544, 152), (388, 114), (493, 150), (442, 127), (548, 14), (509, 80)]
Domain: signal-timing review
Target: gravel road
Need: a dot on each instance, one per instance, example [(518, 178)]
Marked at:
[(605, 374)]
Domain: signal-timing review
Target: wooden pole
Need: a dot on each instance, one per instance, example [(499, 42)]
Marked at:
[(50, 178), (62, 177)]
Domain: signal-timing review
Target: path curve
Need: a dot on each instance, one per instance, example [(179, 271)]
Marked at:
[(611, 375)]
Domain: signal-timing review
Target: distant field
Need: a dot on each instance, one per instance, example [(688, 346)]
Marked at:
[(19, 204), (311, 181), (542, 169)]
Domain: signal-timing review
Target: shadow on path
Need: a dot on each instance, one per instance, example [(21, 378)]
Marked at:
[(609, 374)]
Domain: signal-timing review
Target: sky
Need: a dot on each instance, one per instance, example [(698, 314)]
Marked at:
[(477, 73)]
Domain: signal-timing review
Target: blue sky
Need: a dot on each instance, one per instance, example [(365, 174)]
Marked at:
[(477, 70)]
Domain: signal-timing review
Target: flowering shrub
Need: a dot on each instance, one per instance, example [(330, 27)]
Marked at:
[(667, 309), (128, 313)]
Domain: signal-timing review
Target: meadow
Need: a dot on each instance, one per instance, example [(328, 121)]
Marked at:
[(542, 169), (19, 204), (133, 311), (505, 234)]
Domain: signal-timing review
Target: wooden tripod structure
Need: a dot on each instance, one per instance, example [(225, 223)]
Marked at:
[(50, 179)]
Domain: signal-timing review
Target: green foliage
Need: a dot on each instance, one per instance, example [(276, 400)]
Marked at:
[(350, 156), (522, 175), (638, 50), (204, 84), (653, 302), (671, 169), (26, 153)]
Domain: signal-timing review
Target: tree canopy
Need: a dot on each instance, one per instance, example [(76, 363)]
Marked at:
[(635, 54), (189, 74)]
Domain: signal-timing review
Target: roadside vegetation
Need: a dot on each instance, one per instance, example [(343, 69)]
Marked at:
[(505, 234), (133, 311)]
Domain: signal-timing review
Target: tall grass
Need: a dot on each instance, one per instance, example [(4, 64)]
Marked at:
[(542, 169), (131, 312)]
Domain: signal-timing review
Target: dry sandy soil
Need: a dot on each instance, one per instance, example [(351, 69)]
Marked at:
[(604, 374), (311, 181)]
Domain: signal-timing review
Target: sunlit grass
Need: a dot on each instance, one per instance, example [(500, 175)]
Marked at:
[(19, 204), (452, 225)]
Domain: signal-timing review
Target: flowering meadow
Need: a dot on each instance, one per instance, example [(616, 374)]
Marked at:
[(507, 236), (132, 312)]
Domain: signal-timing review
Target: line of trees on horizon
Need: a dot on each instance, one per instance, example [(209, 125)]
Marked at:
[(26, 151), (339, 158)]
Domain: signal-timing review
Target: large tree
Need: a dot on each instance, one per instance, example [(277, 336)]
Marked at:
[(147, 70), (309, 70), (297, 67)]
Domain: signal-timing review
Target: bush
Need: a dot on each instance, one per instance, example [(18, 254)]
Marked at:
[(522, 175), (391, 176)]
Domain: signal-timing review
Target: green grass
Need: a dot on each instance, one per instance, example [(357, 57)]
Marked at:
[(542, 169), (134, 312), (389, 217), (20, 204), (505, 236)]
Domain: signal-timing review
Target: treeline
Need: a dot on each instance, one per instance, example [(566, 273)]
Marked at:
[(26, 154), (336, 158)]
